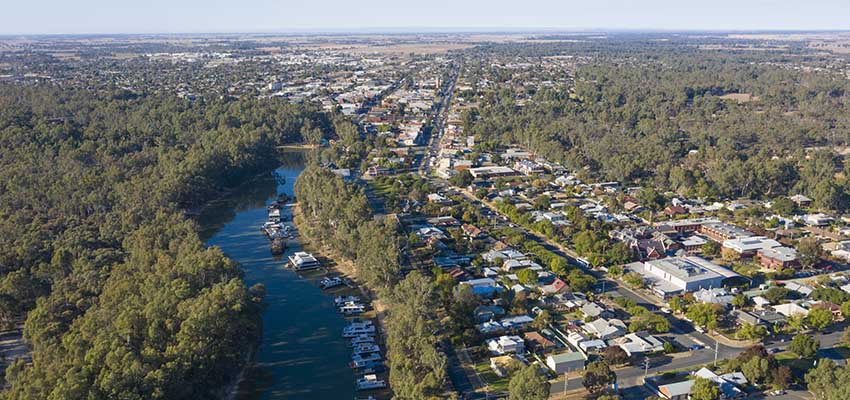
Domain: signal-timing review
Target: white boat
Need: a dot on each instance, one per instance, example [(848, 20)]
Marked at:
[(302, 261), (274, 215), (366, 364), (340, 301), (362, 339), (327, 283), (366, 348), (369, 382), (358, 331), (352, 308), (366, 357)]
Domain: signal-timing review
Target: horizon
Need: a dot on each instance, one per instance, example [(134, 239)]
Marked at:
[(100, 17)]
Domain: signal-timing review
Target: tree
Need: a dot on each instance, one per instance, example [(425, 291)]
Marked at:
[(824, 379), (808, 252), (819, 318), (740, 300), (580, 281), (528, 383), (678, 304), (702, 314), (710, 249), (804, 346), (542, 320), (634, 279), (615, 270), (462, 179), (597, 375), (781, 377), (776, 294), (527, 276), (705, 389), (751, 332), (783, 206), (614, 355), (757, 369)]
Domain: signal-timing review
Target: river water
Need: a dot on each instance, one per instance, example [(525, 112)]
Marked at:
[(302, 354)]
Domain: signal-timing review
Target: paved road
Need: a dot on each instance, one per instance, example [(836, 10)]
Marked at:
[(438, 122)]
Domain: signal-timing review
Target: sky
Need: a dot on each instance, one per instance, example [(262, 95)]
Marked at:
[(216, 16)]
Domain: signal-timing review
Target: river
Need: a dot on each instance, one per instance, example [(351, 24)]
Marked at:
[(302, 354)]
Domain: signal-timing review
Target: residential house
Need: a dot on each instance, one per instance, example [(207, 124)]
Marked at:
[(506, 344), (605, 329), (639, 343), (566, 362)]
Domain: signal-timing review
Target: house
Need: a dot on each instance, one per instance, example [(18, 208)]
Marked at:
[(438, 199), (835, 309), (485, 313), (605, 329), (537, 342), (593, 310), (777, 258), (528, 167), (517, 322), (472, 232), (759, 317), (638, 343), (556, 286), (801, 201), (482, 286), (818, 219), (729, 385), (506, 344), (790, 309), (566, 362), (713, 296), (801, 289), (673, 211)]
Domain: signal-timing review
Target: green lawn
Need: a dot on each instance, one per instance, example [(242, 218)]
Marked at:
[(496, 383)]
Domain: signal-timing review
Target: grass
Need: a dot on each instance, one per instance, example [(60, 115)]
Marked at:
[(495, 382)]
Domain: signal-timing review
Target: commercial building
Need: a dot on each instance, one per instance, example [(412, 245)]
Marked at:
[(675, 275)]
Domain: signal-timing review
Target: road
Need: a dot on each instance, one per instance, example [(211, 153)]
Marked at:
[(630, 380), (438, 122)]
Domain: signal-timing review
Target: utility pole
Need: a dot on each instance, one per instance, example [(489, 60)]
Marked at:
[(566, 379), (645, 368), (716, 350)]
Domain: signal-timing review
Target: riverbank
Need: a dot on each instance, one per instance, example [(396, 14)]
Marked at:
[(347, 268)]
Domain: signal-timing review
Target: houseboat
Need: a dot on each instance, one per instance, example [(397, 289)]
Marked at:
[(366, 357), (340, 301), (328, 283), (358, 330), (303, 261), (352, 308), (369, 382), (366, 348), (362, 339)]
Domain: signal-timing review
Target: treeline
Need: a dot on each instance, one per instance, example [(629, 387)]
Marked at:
[(338, 215), (659, 118), (122, 298)]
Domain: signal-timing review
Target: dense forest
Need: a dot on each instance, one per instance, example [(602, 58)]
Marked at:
[(122, 300), (656, 113), (339, 216)]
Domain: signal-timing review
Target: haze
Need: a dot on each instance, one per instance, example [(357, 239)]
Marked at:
[(192, 16)]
